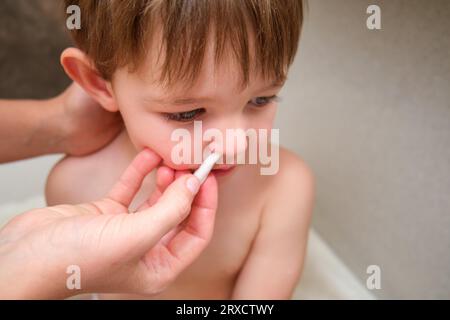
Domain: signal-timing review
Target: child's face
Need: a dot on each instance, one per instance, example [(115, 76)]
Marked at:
[(151, 113)]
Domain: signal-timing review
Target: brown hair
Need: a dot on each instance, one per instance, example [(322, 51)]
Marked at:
[(116, 33)]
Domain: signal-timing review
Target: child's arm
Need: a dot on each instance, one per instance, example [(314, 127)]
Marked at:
[(275, 261)]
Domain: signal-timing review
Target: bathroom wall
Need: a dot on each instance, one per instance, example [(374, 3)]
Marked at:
[(370, 112)]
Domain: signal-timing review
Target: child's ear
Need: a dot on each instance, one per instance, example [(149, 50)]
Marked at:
[(81, 70)]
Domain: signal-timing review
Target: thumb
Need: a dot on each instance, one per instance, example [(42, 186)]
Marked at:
[(151, 224), (175, 203)]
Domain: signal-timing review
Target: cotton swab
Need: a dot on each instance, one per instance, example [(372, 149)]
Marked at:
[(202, 172)]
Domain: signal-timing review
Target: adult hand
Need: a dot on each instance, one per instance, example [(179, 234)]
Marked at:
[(116, 251), (86, 126)]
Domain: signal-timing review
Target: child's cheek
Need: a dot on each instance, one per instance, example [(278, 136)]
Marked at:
[(145, 134), (160, 142)]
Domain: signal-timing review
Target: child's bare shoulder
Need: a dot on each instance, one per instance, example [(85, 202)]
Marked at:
[(82, 179), (291, 189), (293, 168), (293, 172)]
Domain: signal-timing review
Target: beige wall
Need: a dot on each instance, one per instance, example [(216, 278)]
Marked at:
[(370, 113), (368, 110)]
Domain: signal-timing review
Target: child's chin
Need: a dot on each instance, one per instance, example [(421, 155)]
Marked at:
[(223, 172), (180, 167)]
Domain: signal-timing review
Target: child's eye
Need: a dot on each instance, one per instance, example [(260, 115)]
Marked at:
[(185, 116), (262, 101)]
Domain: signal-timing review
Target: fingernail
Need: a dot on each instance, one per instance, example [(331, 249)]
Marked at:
[(193, 184)]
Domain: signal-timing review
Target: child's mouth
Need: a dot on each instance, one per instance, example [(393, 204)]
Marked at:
[(223, 171)]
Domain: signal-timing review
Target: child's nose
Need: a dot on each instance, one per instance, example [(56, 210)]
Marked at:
[(233, 143)]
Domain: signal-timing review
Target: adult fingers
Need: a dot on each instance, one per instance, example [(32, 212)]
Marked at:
[(186, 245), (145, 228), (164, 177), (129, 183)]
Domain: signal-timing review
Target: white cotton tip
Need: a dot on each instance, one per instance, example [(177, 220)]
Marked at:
[(202, 172)]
